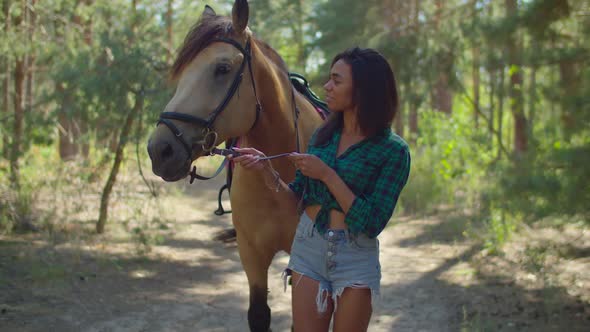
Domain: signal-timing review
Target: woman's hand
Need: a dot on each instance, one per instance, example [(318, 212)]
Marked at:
[(311, 166), (249, 159)]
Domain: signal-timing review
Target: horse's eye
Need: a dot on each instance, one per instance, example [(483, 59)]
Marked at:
[(222, 69)]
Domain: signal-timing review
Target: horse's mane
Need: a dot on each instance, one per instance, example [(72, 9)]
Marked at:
[(210, 27)]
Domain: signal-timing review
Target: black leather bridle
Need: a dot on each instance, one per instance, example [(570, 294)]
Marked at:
[(210, 136)]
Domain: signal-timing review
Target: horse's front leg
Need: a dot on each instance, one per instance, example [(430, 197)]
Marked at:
[(256, 263)]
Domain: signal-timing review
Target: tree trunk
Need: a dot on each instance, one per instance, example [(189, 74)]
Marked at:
[(476, 64), (569, 84), (476, 80), (515, 89), (443, 96), (413, 120), (6, 71), (73, 129), (532, 100), (19, 90), (32, 18), (68, 147), (399, 119), (123, 138), (493, 83), (413, 116), (19, 108), (501, 93)]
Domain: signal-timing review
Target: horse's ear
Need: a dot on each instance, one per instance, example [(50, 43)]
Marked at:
[(239, 15), (208, 12)]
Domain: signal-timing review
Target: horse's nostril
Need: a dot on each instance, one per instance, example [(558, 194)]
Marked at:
[(167, 152)]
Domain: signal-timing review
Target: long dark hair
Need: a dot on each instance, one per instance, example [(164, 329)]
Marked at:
[(374, 94)]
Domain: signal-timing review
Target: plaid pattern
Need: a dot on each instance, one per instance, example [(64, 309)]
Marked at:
[(375, 169)]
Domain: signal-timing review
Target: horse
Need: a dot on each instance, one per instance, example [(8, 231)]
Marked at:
[(231, 84)]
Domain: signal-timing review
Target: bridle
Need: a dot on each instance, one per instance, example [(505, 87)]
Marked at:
[(210, 135)]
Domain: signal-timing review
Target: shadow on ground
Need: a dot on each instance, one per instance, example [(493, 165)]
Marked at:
[(192, 283)]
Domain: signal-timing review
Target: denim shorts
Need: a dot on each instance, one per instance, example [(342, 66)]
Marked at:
[(336, 259)]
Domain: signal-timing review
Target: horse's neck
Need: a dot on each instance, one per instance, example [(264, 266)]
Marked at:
[(275, 130)]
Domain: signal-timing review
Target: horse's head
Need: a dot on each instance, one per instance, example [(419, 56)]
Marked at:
[(215, 97)]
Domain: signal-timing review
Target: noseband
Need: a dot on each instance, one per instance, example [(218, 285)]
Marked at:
[(210, 136)]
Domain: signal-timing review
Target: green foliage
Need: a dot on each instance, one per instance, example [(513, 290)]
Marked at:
[(446, 169), (16, 208), (553, 181)]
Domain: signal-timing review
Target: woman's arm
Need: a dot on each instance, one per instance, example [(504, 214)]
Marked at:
[(370, 212), (249, 159), (339, 189), (312, 166)]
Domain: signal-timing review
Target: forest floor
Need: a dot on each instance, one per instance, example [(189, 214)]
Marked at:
[(434, 278)]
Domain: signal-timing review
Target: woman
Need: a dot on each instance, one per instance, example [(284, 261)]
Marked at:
[(348, 184)]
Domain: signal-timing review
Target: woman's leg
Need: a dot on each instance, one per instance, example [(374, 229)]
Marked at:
[(353, 310), (306, 317)]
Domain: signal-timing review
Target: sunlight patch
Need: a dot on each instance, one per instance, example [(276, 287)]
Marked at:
[(140, 274)]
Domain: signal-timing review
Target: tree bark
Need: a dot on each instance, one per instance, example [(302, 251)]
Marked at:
[(443, 96), (532, 100), (32, 18), (73, 131), (476, 82), (476, 77), (413, 116), (515, 88), (569, 81), (19, 89), (67, 144), (123, 138), (493, 82), (501, 95), (6, 70)]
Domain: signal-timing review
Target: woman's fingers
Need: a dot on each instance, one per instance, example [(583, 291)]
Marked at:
[(298, 159), (248, 151), (248, 161)]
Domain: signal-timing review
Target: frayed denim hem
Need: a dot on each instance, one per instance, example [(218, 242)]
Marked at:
[(375, 294), (323, 292)]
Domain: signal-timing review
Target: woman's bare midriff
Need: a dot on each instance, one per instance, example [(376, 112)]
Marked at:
[(336, 217)]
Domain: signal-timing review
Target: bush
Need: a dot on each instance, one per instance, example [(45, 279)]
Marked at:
[(16, 209), (448, 167)]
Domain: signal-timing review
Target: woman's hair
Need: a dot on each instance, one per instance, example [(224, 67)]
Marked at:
[(374, 94)]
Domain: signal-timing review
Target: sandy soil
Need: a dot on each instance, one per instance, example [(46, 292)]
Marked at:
[(433, 280)]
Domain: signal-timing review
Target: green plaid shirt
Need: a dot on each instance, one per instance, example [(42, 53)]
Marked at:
[(375, 169)]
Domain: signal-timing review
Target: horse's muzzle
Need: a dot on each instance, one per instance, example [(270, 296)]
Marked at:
[(168, 161)]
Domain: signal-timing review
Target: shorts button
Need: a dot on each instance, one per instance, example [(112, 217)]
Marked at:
[(330, 253)]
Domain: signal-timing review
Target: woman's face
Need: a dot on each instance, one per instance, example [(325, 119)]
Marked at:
[(339, 88)]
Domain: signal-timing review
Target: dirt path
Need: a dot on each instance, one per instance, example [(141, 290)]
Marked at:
[(192, 283)]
